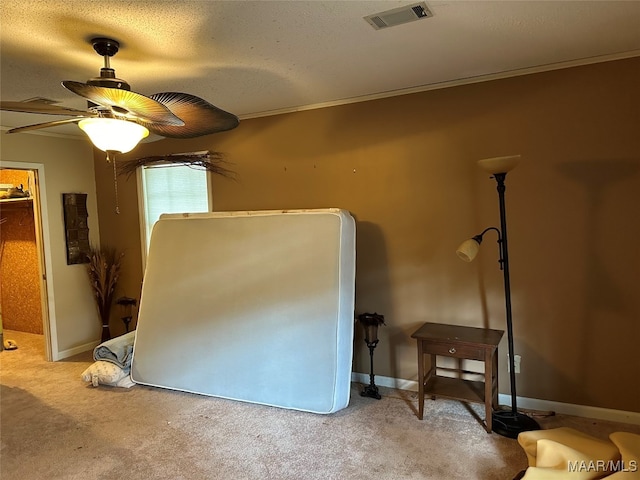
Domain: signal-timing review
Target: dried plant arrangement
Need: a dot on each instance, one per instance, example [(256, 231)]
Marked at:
[(104, 270), (213, 162)]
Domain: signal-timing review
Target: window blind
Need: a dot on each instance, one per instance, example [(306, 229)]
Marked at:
[(173, 189)]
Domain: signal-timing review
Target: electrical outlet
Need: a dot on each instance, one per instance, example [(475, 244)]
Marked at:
[(516, 363)]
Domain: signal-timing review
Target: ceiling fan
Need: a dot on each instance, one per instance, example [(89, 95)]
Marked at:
[(114, 110)]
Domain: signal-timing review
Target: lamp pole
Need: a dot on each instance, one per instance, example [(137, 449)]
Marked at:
[(371, 390), (500, 177), (509, 424)]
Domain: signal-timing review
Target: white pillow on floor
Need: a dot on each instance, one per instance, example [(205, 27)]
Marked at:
[(106, 373)]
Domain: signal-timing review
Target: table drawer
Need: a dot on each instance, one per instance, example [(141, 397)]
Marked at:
[(455, 351)]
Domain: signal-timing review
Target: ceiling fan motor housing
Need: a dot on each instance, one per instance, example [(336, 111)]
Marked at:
[(108, 79), (107, 47)]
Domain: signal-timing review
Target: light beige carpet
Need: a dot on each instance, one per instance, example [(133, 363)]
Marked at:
[(54, 426)]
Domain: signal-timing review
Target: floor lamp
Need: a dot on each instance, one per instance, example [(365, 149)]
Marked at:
[(505, 422)]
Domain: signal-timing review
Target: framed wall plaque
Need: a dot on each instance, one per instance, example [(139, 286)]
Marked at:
[(76, 227)]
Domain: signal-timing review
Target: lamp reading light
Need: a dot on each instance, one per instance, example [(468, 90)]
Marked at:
[(468, 250), (113, 135), (507, 423)]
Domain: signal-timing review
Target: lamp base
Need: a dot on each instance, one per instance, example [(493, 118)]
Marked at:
[(509, 424), (370, 391)]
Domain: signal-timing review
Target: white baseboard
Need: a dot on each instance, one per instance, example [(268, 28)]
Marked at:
[(75, 351), (573, 409), (523, 402), (390, 382)]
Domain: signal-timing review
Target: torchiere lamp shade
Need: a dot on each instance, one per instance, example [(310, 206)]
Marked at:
[(499, 164)]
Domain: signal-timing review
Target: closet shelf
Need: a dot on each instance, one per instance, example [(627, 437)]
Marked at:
[(25, 202)]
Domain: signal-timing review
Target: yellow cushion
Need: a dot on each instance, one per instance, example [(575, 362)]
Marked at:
[(629, 446), (624, 476), (569, 445), (536, 473)]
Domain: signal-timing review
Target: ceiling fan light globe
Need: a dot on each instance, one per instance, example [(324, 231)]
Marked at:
[(113, 135)]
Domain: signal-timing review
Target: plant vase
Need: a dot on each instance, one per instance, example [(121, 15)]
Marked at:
[(104, 270)]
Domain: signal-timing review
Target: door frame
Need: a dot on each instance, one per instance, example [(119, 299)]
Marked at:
[(43, 247)]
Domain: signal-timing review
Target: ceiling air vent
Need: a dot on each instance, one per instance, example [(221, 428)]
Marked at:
[(398, 16)]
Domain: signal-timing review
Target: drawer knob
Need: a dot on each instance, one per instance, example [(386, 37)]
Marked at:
[(452, 350)]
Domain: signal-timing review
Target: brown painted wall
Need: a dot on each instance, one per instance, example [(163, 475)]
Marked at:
[(406, 169)]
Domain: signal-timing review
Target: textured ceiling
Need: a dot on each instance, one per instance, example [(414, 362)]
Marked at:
[(262, 57)]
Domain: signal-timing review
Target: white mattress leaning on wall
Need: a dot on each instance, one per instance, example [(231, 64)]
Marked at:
[(250, 306)]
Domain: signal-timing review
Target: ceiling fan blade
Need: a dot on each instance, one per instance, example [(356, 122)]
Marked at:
[(199, 116), (125, 103), (38, 126), (40, 107)]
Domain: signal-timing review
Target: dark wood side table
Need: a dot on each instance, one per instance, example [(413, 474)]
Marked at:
[(458, 342)]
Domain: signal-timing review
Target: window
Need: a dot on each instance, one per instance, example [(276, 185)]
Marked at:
[(170, 189)]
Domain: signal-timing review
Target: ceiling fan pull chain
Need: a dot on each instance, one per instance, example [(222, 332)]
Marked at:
[(111, 157)]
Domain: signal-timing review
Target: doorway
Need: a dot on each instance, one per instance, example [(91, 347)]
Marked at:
[(24, 308)]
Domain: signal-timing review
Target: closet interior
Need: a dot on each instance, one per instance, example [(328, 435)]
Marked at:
[(20, 272)]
